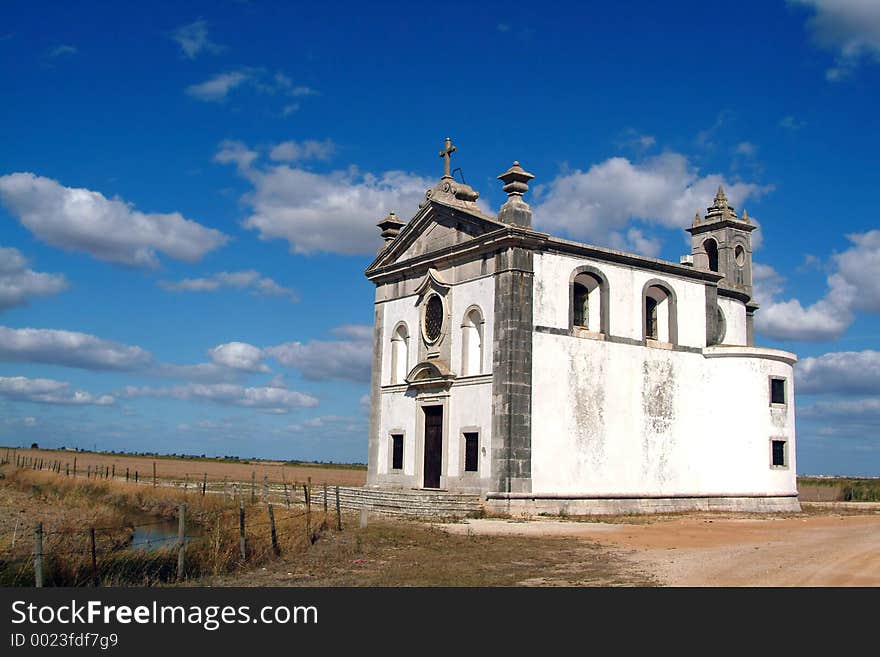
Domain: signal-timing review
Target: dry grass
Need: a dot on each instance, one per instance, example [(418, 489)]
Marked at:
[(392, 552), (68, 507), (196, 469)]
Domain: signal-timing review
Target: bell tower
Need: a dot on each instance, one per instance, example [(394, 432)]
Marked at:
[(722, 242)]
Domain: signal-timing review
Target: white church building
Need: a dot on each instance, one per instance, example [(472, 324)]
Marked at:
[(548, 375)]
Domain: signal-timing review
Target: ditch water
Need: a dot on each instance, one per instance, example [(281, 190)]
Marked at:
[(151, 534)]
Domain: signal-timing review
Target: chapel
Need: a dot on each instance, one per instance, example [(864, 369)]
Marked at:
[(548, 375)]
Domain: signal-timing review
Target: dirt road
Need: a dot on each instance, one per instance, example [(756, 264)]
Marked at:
[(820, 548)]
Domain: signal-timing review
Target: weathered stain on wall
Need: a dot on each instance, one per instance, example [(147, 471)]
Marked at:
[(587, 400), (658, 403)]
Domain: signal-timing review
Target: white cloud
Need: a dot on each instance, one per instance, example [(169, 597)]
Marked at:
[(242, 280), (790, 123), (597, 205), (766, 283), (235, 152), (77, 219), (275, 400), (48, 391), (69, 349), (193, 39), (321, 360), (850, 28), (746, 148), (239, 356), (217, 88), (842, 372), (63, 49), (18, 283), (635, 241), (858, 271), (334, 212), (289, 109), (853, 285), (310, 149)]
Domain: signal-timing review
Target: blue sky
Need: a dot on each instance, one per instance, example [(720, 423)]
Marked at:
[(188, 193)]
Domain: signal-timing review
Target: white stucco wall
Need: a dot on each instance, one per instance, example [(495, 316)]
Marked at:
[(468, 403), (735, 316), (551, 298), (613, 418)]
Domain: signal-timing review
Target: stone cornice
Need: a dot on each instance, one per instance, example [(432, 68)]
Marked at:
[(510, 236)]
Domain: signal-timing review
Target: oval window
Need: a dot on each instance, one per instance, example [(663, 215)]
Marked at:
[(739, 255), (433, 318)]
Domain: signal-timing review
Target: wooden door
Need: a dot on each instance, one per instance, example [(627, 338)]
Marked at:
[(433, 445)]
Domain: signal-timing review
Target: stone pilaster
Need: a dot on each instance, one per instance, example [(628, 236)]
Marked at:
[(375, 440), (512, 372)]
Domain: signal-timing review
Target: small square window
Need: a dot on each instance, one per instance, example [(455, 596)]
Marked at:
[(778, 453), (397, 451), (777, 391), (471, 451)]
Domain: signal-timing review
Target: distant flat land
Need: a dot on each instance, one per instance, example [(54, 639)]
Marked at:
[(168, 467)]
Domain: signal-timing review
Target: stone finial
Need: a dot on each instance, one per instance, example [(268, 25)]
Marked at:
[(697, 218), (745, 216), (720, 198), (516, 180), (516, 183), (720, 208), (390, 226)]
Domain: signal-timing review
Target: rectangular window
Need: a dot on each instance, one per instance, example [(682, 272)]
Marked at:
[(777, 391), (778, 449), (471, 451), (397, 451)]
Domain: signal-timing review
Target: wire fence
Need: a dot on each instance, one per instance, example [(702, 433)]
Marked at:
[(238, 529)]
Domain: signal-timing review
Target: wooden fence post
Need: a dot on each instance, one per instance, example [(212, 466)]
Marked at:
[(275, 547), (308, 495), (204, 483), (338, 512), (135, 476), (181, 540), (126, 474), (113, 472), (241, 529), (265, 488), (325, 501), (38, 555), (287, 495), (217, 545), (67, 470), (185, 482), (154, 474), (94, 556), (74, 467), (253, 486), (88, 472)]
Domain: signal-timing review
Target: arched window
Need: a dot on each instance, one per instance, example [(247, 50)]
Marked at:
[(399, 353), (589, 300), (711, 248), (660, 321), (472, 343)]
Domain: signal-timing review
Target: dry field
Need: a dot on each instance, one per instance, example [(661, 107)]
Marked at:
[(828, 544), (196, 469)]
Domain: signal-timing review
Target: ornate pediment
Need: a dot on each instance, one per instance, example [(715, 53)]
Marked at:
[(432, 281), (435, 227), (430, 373)]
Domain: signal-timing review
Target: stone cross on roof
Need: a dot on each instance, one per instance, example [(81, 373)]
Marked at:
[(446, 154)]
